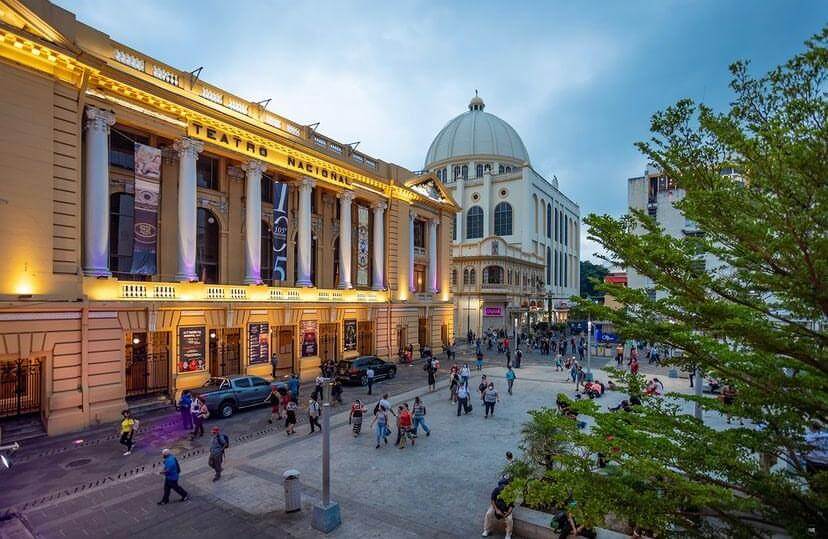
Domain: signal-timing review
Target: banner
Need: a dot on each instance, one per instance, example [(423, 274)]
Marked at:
[(492, 311), (191, 349), (362, 246), (280, 228), (145, 224), (307, 329), (258, 335), (350, 335)]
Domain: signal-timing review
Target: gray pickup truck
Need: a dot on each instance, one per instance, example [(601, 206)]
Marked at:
[(227, 394)]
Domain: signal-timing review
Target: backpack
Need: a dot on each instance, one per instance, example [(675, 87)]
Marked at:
[(226, 440)]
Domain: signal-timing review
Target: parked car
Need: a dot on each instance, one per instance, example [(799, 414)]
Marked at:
[(352, 371), (225, 395)]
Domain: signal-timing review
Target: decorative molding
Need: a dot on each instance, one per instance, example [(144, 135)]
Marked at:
[(163, 74), (238, 106), (40, 316), (98, 119), (210, 95), (235, 172), (220, 205), (130, 59), (254, 166), (188, 147)]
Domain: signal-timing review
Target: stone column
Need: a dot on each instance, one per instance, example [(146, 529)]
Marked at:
[(432, 256), (96, 192), (458, 219), (188, 150), (345, 200), (379, 246), (253, 221), (411, 284), (303, 278), (486, 203)]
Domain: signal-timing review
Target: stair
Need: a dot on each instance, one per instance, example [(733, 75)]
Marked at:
[(21, 428), (143, 406)]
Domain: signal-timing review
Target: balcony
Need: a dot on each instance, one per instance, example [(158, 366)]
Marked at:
[(115, 290)]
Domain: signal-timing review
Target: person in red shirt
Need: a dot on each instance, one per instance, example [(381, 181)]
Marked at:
[(404, 425), (634, 365)]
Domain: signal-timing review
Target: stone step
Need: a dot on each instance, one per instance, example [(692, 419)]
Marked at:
[(17, 430)]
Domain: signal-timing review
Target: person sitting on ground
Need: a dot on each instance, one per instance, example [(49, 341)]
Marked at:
[(623, 405), (654, 388)]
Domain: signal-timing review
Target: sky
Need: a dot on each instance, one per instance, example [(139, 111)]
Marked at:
[(579, 81)]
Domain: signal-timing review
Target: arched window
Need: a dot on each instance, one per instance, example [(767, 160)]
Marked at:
[(557, 227), (492, 275), (508, 170), (121, 221), (548, 265), (503, 219), (474, 223), (566, 231), (472, 277), (465, 172), (479, 171), (454, 277), (487, 167), (207, 246), (267, 253), (456, 172), (500, 169), (549, 220)]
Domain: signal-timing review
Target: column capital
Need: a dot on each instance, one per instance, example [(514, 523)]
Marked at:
[(254, 166), (186, 146), (99, 119), (379, 206), (346, 196), (306, 183)]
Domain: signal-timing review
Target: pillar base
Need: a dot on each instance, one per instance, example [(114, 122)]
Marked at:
[(186, 278), (253, 280), (97, 272), (344, 286), (378, 288), (326, 518), (304, 283)]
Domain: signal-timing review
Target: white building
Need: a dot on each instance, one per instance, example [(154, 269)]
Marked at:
[(515, 255)]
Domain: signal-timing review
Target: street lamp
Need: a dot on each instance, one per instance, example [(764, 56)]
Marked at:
[(589, 347), (326, 516)]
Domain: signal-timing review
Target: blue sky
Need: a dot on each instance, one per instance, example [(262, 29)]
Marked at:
[(577, 80)]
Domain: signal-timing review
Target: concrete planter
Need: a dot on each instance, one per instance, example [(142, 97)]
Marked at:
[(531, 524)]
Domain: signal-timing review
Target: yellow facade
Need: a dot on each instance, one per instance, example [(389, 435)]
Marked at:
[(83, 333)]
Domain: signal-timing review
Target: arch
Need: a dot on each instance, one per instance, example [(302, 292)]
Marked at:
[(465, 172), (472, 277), (549, 220), (479, 170), (454, 277), (474, 223), (267, 252), (466, 276), (503, 219), (208, 231), (456, 172), (535, 211), (121, 224), (548, 265), (492, 275)]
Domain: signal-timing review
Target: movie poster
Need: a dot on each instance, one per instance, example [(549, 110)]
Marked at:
[(280, 228), (147, 195), (258, 342), (191, 349), (350, 335), (362, 246), (308, 331)]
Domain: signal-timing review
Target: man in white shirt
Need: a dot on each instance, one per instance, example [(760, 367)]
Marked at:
[(463, 399), (369, 375)]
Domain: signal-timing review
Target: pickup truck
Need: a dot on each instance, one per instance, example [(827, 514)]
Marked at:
[(225, 395)]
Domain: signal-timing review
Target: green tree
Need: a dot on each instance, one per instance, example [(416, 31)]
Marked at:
[(591, 274), (757, 320)]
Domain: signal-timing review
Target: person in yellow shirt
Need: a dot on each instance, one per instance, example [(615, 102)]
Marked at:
[(128, 428)]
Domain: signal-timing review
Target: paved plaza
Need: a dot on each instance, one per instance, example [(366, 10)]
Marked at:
[(438, 488)]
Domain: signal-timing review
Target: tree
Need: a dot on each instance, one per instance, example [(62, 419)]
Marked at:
[(757, 321), (591, 274)]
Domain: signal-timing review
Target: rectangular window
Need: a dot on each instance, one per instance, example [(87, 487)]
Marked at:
[(122, 148), (267, 189), (207, 172), (419, 234)]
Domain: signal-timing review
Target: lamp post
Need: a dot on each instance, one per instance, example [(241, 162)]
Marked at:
[(589, 348), (326, 516)]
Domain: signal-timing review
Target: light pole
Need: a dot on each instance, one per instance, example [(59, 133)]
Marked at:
[(698, 387), (326, 516), (589, 347)]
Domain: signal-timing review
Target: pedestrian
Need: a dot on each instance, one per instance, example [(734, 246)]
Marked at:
[(634, 364), (508, 358), (573, 372), (454, 383), (195, 410), (293, 386), (218, 446), (481, 388), (317, 387), (336, 392), (171, 472), (355, 416), (431, 370), (202, 413), (579, 379), (290, 418), (184, 409), (127, 430), (381, 429), (463, 400), (383, 404), (313, 414), (518, 357), (479, 360), (465, 374), (558, 363), (274, 362), (490, 397), (510, 380), (619, 354), (369, 377), (418, 414), (403, 426), (498, 510), (274, 399)]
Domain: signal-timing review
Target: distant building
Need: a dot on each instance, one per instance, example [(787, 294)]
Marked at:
[(619, 278)]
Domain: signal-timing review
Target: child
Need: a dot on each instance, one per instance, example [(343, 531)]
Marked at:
[(290, 420), (355, 417)]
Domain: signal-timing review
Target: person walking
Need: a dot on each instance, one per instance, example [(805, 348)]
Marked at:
[(404, 427), (290, 418), (418, 414), (369, 376), (481, 388), (202, 413), (218, 446), (274, 362), (293, 386), (171, 472), (579, 378), (127, 430), (313, 414), (510, 380), (184, 409), (454, 383), (355, 416), (381, 429), (274, 399), (465, 374), (490, 397), (518, 357), (508, 358), (463, 400), (634, 364), (573, 372), (479, 359), (432, 371)]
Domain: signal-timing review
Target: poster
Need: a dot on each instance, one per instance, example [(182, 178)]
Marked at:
[(191, 349), (307, 329), (145, 227), (280, 228), (362, 246), (258, 342), (492, 311), (350, 335)]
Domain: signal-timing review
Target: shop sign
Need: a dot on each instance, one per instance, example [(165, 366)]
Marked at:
[(258, 341), (350, 335), (191, 348), (492, 311), (280, 228), (308, 331)]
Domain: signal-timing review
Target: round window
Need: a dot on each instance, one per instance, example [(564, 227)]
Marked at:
[(504, 193), (475, 197)]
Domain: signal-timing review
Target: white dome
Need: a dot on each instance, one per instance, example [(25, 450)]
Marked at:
[(476, 133)]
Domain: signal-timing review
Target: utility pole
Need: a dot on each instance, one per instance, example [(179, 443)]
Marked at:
[(589, 347), (326, 516)]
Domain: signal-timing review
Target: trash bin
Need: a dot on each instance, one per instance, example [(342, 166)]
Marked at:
[(293, 491)]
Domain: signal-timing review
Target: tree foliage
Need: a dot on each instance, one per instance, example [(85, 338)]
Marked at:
[(757, 321), (592, 274)]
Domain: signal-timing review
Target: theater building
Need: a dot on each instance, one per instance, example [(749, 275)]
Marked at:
[(158, 230)]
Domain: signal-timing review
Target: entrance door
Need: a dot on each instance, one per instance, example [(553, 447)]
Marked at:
[(20, 387), (365, 338), (225, 352), (402, 340), (328, 341), (285, 349), (422, 332), (444, 338), (147, 363)]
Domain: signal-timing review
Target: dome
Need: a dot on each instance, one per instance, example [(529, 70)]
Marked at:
[(476, 133)]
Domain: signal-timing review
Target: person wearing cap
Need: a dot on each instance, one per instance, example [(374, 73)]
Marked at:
[(219, 445), (171, 473)]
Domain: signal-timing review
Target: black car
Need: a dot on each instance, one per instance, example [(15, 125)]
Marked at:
[(354, 370), (227, 394)]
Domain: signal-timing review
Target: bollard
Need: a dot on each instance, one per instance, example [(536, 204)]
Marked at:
[(293, 491)]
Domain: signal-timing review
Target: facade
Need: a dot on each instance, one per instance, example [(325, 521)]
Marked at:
[(158, 230), (619, 278), (515, 252)]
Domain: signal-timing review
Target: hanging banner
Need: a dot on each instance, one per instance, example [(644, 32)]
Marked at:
[(308, 330), (191, 349), (145, 224), (258, 343), (362, 246), (350, 335), (280, 228)]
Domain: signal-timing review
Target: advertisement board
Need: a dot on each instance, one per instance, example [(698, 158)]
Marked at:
[(191, 341), (258, 342), (308, 332)]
